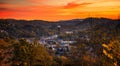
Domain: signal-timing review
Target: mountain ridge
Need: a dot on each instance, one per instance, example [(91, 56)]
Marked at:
[(36, 28)]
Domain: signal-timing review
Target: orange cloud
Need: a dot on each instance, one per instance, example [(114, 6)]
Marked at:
[(74, 5), (71, 5)]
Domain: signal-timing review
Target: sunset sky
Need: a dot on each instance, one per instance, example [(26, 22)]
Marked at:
[(53, 10)]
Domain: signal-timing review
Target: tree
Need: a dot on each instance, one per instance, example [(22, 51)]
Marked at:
[(40, 55), (22, 53), (27, 54), (112, 51)]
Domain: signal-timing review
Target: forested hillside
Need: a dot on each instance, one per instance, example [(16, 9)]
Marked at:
[(37, 28), (77, 42)]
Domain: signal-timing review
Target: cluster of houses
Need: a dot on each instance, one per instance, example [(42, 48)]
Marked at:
[(59, 46), (56, 44)]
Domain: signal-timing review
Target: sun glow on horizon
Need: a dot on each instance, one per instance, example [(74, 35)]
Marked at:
[(54, 10)]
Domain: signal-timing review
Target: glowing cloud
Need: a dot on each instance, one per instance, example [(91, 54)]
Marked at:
[(53, 10)]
